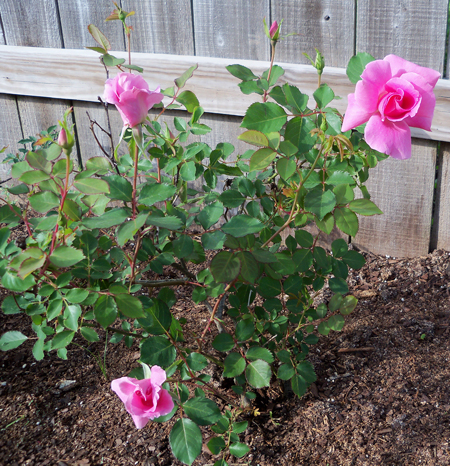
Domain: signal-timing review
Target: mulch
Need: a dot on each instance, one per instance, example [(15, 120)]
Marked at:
[(382, 394)]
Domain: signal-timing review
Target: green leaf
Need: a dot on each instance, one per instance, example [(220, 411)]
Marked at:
[(234, 365), (14, 283), (336, 323), (101, 164), (72, 210), (241, 72), (320, 202), (231, 198), (223, 342), (9, 306), (256, 138), (323, 95), (156, 192), (285, 372), (44, 201), (348, 305), (276, 73), (181, 81), (110, 60), (250, 87), (89, 334), (262, 158), (127, 230), (346, 221), (326, 225), (66, 256), (91, 186), (71, 316), (356, 66), (269, 288), (304, 378), (34, 176), (108, 219), (256, 352), (54, 308), (298, 134), (129, 306), (210, 214), (354, 259), (158, 351), (202, 411), (339, 177), (364, 207), (286, 168), (216, 445), (258, 373), (119, 188), (62, 339), (239, 449), (157, 318), (225, 267), (183, 246), (99, 37), (249, 266), (242, 225), (213, 240), (265, 117), (30, 265), (169, 222), (77, 295), (185, 440), (38, 349), (38, 161), (18, 189), (188, 171), (196, 361), (189, 100), (105, 310), (11, 340)]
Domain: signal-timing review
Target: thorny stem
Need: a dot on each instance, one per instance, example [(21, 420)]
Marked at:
[(213, 313)]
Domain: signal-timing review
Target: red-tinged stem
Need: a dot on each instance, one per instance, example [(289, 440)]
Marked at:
[(133, 264), (213, 313), (159, 172), (265, 96)]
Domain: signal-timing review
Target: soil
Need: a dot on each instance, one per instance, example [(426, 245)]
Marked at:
[(382, 394)]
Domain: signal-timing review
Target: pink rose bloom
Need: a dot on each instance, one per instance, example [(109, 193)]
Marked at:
[(273, 29), (144, 399), (393, 95), (131, 96)]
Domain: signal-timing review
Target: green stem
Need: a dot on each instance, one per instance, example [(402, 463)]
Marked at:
[(294, 204)]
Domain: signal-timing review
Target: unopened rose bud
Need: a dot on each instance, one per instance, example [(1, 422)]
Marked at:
[(62, 138), (273, 29)]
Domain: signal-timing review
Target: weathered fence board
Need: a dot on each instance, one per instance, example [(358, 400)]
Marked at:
[(403, 190), (440, 237), (327, 25), (231, 28), (160, 26)]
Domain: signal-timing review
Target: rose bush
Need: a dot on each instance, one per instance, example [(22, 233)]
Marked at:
[(392, 95), (132, 97), (90, 268), (144, 399)]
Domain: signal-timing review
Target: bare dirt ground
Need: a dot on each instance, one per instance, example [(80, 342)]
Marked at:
[(382, 395)]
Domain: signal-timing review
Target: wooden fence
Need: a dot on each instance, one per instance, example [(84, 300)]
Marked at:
[(40, 78)]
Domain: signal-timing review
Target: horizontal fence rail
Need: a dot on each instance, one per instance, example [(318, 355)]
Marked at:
[(77, 75)]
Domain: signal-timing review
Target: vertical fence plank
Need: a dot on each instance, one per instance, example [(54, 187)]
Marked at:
[(231, 28), (161, 26), (327, 25), (415, 31), (20, 20), (11, 131), (75, 18), (404, 192), (440, 238)]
